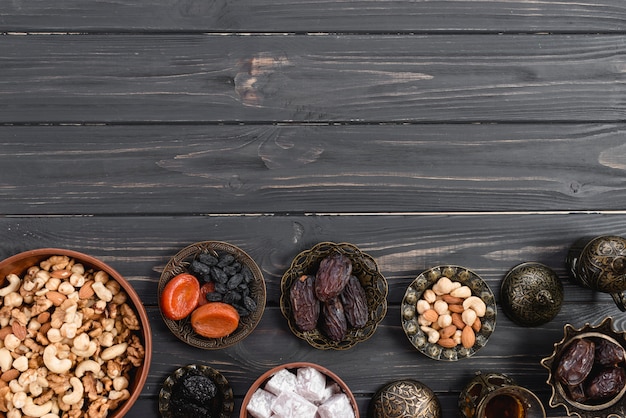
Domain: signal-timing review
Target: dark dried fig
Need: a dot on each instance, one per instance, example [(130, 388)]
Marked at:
[(576, 362), (355, 303), (607, 383), (306, 307), (334, 324), (608, 353), (332, 276)]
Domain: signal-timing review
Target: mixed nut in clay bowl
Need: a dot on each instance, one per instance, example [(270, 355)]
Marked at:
[(299, 390), (448, 313), (75, 337), (587, 371), (333, 296), (211, 294)]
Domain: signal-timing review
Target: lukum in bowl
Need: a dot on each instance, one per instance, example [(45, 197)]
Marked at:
[(410, 316), (611, 407), (364, 267), (222, 404), (180, 264), (293, 367), (20, 263)]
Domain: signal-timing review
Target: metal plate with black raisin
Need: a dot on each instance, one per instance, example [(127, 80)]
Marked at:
[(249, 305), (366, 270), (215, 397), (409, 314)]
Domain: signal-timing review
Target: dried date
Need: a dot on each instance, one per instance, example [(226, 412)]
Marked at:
[(332, 276), (576, 362), (334, 323), (608, 353), (355, 303), (606, 384), (306, 307)]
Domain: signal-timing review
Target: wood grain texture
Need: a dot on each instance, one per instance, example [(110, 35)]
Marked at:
[(403, 246), (315, 16), (330, 78), (183, 169)]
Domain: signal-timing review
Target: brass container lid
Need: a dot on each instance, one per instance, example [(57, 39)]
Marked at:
[(531, 294), (404, 399)]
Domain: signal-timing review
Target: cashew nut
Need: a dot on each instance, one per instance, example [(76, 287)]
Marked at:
[(433, 334), (441, 307), (21, 363), (13, 300), (102, 292), (429, 296), (5, 359), (14, 284), (77, 392), (87, 366), (119, 395), (422, 306), (19, 399), (54, 363), (476, 304), (443, 286), (462, 292), (37, 411), (120, 383), (469, 316), (114, 351)]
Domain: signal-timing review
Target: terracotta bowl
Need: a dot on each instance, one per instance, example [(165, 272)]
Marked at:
[(19, 264), (180, 264), (609, 407), (363, 267), (410, 316), (260, 383)]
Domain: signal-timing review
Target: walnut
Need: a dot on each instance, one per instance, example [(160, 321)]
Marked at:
[(20, 316), (59, 383), (129, 317), (98, 408), (4, 398), (135, 352), (114, 368), (44, 397), (42, 304), (90, 385)]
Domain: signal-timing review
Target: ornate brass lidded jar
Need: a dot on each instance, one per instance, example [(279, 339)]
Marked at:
[(496, 395), (404, 399), (600, 264), (531, 294)]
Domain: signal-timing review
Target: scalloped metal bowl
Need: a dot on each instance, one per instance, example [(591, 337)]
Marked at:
[(425, 281), (225, 403), (616, 407), (182, 328), (363, 267), (19, 263), (261, 380)]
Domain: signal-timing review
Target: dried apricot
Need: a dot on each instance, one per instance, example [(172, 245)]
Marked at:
[(180, 296), (215, 320)]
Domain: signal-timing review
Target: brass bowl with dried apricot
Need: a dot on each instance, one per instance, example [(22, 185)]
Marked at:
[(587, 371), (333, 296), (211, 295), (93, 317), (448, 313)]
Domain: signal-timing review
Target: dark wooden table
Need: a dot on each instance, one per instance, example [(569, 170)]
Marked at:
[(477, 133)]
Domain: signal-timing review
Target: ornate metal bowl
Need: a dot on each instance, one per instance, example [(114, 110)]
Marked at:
[(224, 400), (531, 294), (179, 264), (409, 314), (404, 399), (615, 407), (363, 267)]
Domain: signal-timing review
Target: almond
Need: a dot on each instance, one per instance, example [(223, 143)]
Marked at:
[(455, 307), (86, 291), (457, 320), (43, 317), (477, 325), (430, 315), (61, 274), (19, 330), (448, 332), (5, 331), (10, 375), (468, 338), (57, 298), (452, 300), (446, 342)]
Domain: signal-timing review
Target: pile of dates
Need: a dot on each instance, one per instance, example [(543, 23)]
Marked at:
[(592, 370), (194, 395), (331, 300)]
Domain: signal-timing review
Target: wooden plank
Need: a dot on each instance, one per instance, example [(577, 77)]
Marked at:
[(316, 79), (315, 16), (182, 169)]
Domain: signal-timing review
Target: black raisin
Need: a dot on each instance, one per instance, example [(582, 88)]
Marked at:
[(226, 260), (249, 303), (208, 259), (199, 269), (221, 288), (234, 281), (230, 270), (214, 297), (218, 275), (231, 297)]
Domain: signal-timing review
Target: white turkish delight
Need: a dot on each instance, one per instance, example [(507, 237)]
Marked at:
[(338, 406), (260, 405), (331, 389), (281, 381), (290, 404), (311, 384)]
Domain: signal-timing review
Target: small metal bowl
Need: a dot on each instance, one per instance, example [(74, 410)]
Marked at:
[(531, 294), (414, 293), (293, 367), (363, 267), (179, 264), (615, 407), (406, 398), (224, 400)]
